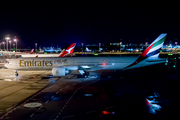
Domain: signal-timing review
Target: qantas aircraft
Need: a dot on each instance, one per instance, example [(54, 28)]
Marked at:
[(62, 66), (25, 53), (31, 52), (63, 53), (17, 53)]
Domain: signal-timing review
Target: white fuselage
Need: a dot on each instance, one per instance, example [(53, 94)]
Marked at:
[(39, 55), (90, 63)]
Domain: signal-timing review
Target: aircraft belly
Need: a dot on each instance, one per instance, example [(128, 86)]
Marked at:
[(117, 66), (31, 68), (144, 63)]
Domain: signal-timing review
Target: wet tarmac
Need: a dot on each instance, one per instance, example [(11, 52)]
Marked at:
[(144, 93)]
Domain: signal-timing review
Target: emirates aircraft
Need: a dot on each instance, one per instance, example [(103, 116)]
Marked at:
[(63, 53), (62, 66)]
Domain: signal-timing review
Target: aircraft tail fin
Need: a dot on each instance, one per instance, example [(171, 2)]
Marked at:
[(152, 51), (31, 52), (154, 48), (68, 51)]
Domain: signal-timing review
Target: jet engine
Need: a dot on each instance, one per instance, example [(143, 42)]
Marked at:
[(62, 71), (58, 71)]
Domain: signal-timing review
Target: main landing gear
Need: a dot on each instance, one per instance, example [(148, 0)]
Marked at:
[(83, 73), (86, 74)]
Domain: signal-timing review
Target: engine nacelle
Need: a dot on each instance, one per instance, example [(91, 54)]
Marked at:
[(58, 71), (72, 68)]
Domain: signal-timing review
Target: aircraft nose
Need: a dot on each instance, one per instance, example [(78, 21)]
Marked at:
[(5, 65)]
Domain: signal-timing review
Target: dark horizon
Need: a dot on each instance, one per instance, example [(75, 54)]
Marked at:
[(63, 23)]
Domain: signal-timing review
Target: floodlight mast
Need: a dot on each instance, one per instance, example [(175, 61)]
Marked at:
[(7, 38), (15, 40)]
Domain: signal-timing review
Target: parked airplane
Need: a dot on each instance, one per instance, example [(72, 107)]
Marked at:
[(51, 50), (31, 52), (24, 53), (88, 50), (17, 53), (63, 53), (62, 66)]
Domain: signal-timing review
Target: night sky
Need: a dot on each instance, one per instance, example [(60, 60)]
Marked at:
[(60, 23)]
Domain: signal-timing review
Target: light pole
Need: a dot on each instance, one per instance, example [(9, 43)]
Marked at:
[(10, 44), (7, 38), (120, 46), (176, 46), (36, 46), (15, 39), (146, 44), (99, 46), (4, 44), (176, 43), (82, 47), (13, 46)]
